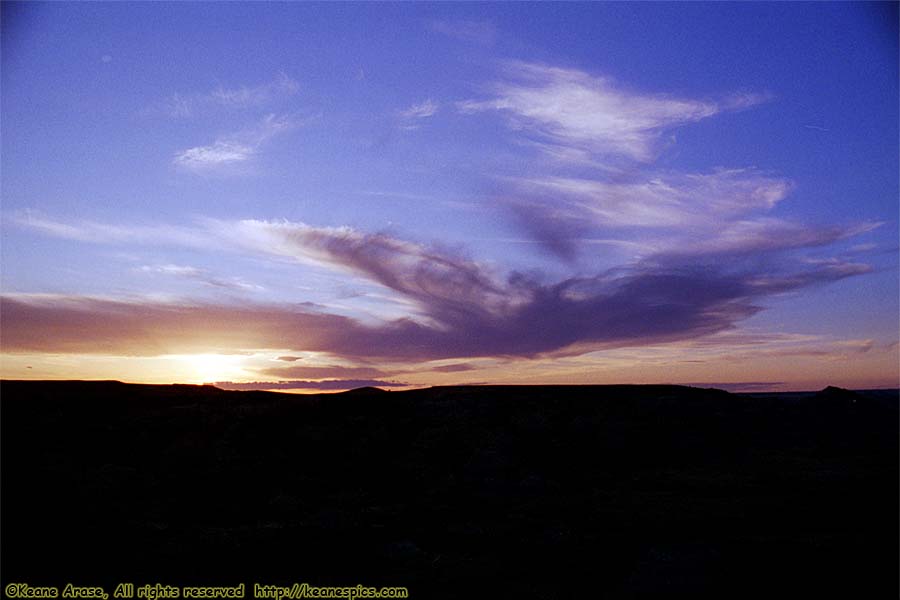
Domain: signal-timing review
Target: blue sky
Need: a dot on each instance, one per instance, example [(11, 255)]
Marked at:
[(577, 193)]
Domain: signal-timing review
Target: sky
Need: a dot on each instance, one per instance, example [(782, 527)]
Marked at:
[(305, 196)]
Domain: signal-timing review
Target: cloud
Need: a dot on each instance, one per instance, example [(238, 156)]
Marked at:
[(324, 372), (235, 148), (573, 109), (139, 327), (200, 275), (766, 235), (426, 108), (557, 211), (337, 384), (463, 310), (667, 214), (222, 152), (663, 199), (243, 97), (454, 307), (450, 286), (105, 233), (705, 253), (741, 386), (474, 32), (454, 368)]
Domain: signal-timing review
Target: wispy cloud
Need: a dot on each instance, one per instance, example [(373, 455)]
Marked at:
[(665, 214), (189, 105), (475, 32), (445, 282), (234, 148), (426, 108), (200, 275), (256, 95), (221, 152), (662, 200), (765, 235), (557, 211), (574, 109), (106, 233)]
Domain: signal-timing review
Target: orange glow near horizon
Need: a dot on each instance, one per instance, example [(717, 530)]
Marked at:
[(845, 364)]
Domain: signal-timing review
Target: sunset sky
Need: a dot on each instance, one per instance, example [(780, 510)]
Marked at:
[(325, 196)]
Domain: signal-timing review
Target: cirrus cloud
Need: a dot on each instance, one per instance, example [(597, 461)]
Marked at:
[(573, 109), (235, 148)]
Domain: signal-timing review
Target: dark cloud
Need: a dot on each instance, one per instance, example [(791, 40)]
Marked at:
[(462, 309), (448, 287), (556, 229), (741, 386), (465, 314), (290, 358), (455, 368)]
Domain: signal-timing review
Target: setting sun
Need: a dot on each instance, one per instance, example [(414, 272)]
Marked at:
[(209, 368), (449, 299)]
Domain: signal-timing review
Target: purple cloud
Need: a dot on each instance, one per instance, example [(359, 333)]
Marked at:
[(462, 315)]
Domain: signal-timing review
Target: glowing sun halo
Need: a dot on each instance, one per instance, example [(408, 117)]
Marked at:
[(210, 368)]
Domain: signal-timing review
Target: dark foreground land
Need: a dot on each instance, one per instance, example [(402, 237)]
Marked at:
[(461, 492)]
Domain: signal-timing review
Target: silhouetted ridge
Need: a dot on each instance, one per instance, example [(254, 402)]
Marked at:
[(365, 390), (513, 491), (832, 395)]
